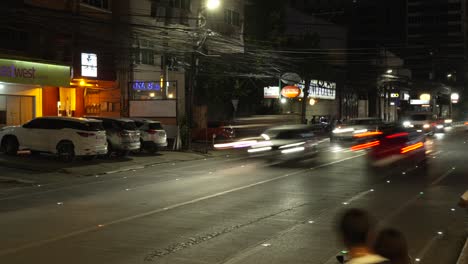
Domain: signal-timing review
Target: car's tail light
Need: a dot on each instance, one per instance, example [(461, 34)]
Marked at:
[(85, 134), (151, 131), (397, 135), (412, 147), (365, 145)]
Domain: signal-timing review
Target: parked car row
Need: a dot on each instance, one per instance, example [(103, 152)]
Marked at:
[(69, 137)]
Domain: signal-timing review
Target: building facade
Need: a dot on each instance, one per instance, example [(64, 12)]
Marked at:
[(56, 59), (160, 42)]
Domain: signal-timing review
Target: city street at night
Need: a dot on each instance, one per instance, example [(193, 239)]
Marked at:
[(235, 209)]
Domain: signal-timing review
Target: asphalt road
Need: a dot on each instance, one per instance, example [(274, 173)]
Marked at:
[(232, 209)]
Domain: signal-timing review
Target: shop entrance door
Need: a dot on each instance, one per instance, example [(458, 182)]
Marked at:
[(16, 110)]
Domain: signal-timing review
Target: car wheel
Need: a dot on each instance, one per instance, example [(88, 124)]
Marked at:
[(66, 151), (11, 146), (151, 148), (110, 150)]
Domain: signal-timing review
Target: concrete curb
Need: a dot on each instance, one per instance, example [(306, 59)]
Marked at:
[(463, 258), (18, 180)]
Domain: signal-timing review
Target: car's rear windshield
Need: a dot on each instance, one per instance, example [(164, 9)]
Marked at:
[(87, 126), (155, 126), (127, 125)]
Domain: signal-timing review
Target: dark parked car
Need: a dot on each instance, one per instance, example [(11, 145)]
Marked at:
[(217, 130)]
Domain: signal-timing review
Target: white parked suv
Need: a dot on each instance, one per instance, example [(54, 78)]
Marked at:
[(67, 137), (152, 135)]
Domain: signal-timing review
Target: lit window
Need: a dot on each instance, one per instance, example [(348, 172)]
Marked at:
[(231, 17), (104, 4)]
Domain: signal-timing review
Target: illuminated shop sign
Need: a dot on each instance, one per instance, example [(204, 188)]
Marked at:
[(321, 89), (89, 65), (146, 86), (25, 72)]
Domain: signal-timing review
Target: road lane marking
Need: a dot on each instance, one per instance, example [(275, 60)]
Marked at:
[(174, 206), (250, 251), (442, 177), (427, 247)]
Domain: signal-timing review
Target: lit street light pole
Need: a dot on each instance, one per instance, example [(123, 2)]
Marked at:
[(208, 5)]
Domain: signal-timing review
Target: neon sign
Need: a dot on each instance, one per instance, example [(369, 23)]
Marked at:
[(146, 86)]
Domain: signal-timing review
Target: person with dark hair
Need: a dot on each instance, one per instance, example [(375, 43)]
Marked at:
[(355, 228), (391, 244)]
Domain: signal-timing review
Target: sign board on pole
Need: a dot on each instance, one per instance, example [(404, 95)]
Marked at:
[(271, 92), (290, 91)]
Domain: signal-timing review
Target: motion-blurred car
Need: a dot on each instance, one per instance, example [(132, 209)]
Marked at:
[(153, 137), (423, 123), (291, 142), (348, 130), (216, 130), (395, 144)]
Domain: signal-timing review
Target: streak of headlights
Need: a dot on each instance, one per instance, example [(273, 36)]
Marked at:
[(292, 150), (256, 150), (292, 145)]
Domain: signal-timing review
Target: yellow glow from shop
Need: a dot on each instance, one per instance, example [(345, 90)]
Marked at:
[(425, 97), (82, 82), (171, 96)]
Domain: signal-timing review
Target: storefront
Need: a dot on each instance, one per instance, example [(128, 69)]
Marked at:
[(30, 89)]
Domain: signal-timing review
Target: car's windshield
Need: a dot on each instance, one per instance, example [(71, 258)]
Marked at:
[(127, 125), (420, 117)]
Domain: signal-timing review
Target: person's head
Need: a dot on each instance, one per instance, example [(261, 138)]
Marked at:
[(355, 226), (391, 243)]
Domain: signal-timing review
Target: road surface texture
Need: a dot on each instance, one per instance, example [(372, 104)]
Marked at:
[(234, 209)]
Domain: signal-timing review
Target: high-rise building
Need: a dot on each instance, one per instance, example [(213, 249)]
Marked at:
[(437, 38)]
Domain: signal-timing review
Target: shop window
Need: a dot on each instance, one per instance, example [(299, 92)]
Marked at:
[(103, 4), (182, 4), (147, 57), (231, 17)]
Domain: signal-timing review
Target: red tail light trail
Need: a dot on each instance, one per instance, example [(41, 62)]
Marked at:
[(366, 145)]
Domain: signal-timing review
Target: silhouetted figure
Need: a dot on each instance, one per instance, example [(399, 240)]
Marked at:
[(355, 228), (391, 244)]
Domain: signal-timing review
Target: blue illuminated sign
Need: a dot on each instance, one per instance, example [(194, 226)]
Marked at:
[(146, 86)]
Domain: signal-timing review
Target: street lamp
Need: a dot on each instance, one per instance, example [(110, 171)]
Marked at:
[(208, 5), (449, 75), (389, 71), (213, 4)]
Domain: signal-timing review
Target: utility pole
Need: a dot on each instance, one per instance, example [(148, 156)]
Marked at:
[(305, 100)]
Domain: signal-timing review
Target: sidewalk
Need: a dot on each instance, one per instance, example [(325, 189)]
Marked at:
[(47, 166), (463, 258)]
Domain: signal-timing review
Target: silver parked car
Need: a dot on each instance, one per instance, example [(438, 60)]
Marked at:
[(123, 135)]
